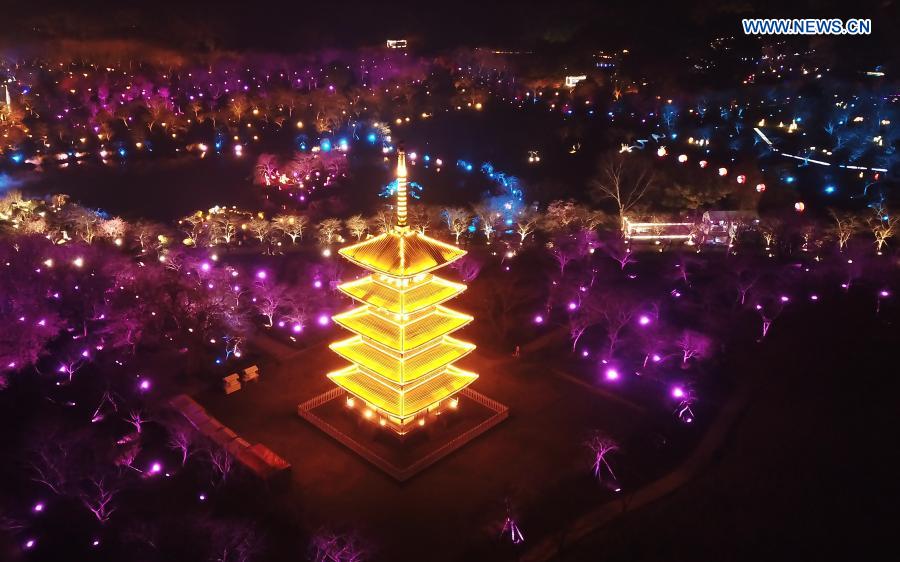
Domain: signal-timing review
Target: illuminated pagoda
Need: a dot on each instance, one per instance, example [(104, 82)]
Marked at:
[(402, 355)]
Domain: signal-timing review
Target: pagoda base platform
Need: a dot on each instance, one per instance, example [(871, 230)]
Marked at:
[(403, 458)]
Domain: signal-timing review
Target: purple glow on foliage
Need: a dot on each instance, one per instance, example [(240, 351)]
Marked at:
[(155, 468), (261, 274), (323, 320), (317, 284), (297, 328)]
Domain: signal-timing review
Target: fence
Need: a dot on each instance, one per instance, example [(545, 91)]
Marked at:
[(501, 412)]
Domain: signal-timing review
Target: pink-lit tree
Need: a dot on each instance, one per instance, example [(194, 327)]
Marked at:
[(601, 446), (693, 345), (468, 267), (329, 546), (98, 496)]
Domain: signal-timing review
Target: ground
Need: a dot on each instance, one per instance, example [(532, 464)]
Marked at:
[(812, 457), (462, 495)]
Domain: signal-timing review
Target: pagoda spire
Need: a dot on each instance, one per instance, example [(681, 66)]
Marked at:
[(401, 189)]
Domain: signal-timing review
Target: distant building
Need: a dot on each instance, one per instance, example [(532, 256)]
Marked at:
[(396, 43), (572, 81), (653, 231), (723, 227)]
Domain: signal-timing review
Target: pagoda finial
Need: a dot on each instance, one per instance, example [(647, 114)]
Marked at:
[(401, 188)]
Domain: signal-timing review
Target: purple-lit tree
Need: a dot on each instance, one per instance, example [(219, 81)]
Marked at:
[(617, 312), (693, 345), (220, 461), (327, 546), (511, 527), (468, 267), (98, 496), (268, 298), (601, 446), (234, 541), (182, 437), (619, 251)]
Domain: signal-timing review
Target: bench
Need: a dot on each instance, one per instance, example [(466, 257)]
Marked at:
[(251, 374), (231, 383)]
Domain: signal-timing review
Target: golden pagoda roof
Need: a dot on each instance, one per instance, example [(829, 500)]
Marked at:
[(399, 301), (405, 368), (402, 335), (408, 401), (402, 253)]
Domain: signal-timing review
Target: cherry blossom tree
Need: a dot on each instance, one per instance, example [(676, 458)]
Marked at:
[(357, 226), (328, 230), (882, 224), (525, 223), (292, 225), (560, 215), (844, 226), (457, 220)]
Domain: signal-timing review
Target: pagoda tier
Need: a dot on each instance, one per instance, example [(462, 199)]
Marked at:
[(402, 402), (402, 253), (402, 368), (402, 296), (402, 332)]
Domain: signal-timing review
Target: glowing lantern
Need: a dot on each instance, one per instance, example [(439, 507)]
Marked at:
[(741, 178), (760, 187), (682, 158), (799, 206), (661, 151), (723, 171), (703, 163)]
